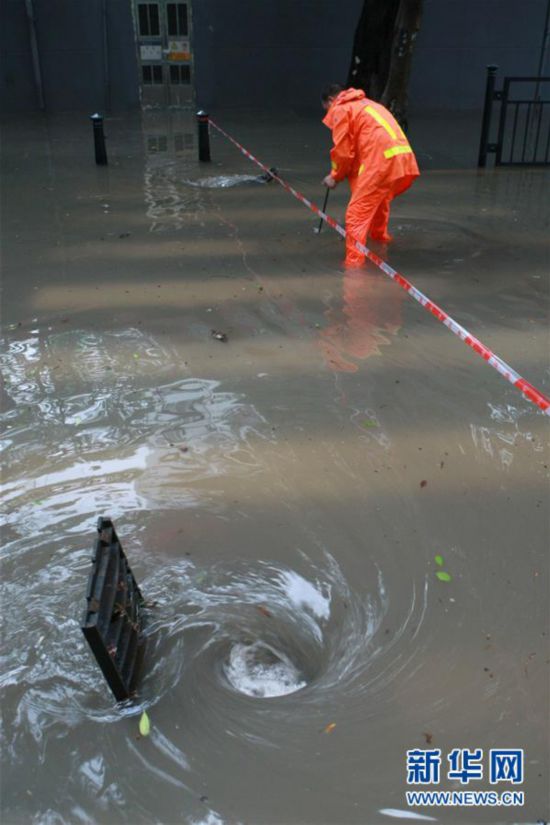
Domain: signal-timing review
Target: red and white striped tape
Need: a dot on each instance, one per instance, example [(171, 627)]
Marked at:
[(528, 390)]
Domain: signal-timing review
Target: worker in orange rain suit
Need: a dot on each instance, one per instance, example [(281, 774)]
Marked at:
[(372, 152)]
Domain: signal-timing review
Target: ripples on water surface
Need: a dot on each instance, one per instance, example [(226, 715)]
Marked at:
[(241, 653), (254, 660), (173, 200)]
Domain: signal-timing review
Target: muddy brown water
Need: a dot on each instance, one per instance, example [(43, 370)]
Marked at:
[(282, 495)]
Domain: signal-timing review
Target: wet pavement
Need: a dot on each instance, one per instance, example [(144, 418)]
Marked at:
[(282, 495)]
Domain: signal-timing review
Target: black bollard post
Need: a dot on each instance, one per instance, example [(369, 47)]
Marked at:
[(487, 111), (204, 136), (99, 140)]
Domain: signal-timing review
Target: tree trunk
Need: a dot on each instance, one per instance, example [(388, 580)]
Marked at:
[(372, 47), (407, 24), (382, 52)]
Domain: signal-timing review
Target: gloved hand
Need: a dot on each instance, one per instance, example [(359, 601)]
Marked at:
[(329, 182)]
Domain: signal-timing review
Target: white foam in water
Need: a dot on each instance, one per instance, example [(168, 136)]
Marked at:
[(406, 814), (258, 670), (305, 595), (210, 819), (223, 181)]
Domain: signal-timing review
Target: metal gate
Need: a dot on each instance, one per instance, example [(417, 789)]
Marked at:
[(523, 132), (164, 37)]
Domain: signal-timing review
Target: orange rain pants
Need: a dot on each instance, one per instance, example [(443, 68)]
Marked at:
[(372, 152)]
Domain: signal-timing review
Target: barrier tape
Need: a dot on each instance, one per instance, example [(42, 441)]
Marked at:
[(529, 391)]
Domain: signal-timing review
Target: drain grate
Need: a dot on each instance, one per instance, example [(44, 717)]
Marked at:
[(113, 617)]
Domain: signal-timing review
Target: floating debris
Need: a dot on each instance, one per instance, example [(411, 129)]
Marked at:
[(144, 724), (442, 576), (219, 336)]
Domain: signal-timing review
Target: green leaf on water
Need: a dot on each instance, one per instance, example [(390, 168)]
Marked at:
[(442, 576), (368, 422), (144, 724), (439, 560)]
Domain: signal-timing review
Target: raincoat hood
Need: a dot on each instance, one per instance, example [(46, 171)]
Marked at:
[(347, 96)]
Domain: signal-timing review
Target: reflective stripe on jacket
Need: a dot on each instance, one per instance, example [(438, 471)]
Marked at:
[(367, 140)]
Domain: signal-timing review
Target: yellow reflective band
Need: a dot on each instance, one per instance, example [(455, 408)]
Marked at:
[(361, 169), (381, 121), (397, 150), (334, 165)]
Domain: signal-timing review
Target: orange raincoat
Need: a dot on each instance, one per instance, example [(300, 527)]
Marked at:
[(372, 152)]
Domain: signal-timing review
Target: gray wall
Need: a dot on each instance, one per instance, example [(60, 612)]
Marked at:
[(17, 89), (459, 38), (271, 52), (70, 42), (279, 52), (262, 53)]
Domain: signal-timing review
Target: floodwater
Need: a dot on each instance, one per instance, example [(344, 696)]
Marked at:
[(281, 495)]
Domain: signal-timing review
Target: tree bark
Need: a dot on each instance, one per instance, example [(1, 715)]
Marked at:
[(407, 24), (382, 52), (371, 58)]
